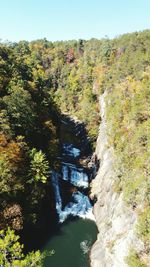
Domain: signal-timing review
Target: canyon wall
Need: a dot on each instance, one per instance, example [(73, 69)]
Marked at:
[(115, 221)]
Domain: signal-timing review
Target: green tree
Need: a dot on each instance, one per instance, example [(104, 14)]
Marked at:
[(39, 166), (11, 252), (20, 110)]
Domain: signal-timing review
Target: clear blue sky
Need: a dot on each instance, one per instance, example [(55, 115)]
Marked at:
[(71, 19)]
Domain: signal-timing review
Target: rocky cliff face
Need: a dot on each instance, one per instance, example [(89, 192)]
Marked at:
[(115, 221)]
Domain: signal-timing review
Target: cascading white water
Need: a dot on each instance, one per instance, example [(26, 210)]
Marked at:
[(70, 150), (74, 175), (55, 182), (79, 205)]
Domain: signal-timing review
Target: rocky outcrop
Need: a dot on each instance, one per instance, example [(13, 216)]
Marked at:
[(115, 221)]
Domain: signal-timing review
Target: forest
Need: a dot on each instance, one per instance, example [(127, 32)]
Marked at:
[(40, 81)]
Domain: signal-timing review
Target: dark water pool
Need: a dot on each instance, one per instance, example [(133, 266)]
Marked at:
[(72, 244)]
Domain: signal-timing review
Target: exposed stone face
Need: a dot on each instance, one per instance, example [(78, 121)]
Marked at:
[(115, 221)]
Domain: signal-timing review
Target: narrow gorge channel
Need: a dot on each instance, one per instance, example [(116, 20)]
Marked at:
[(77, 230)]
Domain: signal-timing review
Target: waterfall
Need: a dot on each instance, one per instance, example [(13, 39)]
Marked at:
[(74, 175), (55, 183), (79, 204), (70, 150)]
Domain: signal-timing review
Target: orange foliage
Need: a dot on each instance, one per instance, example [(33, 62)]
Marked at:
[(11, 150)]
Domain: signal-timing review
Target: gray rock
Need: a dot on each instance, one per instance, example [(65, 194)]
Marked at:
[(115, 221)]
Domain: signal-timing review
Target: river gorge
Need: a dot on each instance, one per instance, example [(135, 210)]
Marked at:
[(76, 231)]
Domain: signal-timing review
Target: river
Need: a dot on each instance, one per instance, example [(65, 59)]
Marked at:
[(77, 230), (71, 244)]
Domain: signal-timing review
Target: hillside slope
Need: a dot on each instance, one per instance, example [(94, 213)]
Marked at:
[(115, 221)]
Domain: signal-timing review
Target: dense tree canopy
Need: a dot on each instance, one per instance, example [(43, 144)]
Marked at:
[(41, 80)]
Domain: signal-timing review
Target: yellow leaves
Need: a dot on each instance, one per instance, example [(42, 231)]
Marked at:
[(143, 228), (99, 70), (99, 73), (133, 259), (134, 86), (73, 80), (38, 72), (128, 115), (146, 74), (27, 60), (32, 85), (10, 149), (129, 87)]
